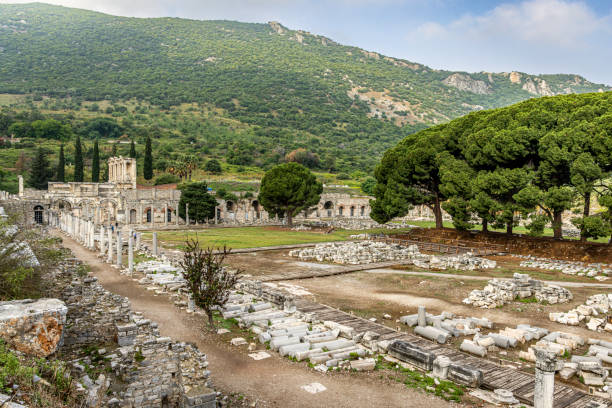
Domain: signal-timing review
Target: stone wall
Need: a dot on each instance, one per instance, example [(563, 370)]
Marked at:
[(147, 370)]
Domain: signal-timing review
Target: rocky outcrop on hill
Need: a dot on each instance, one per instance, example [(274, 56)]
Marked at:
[(465, 82)]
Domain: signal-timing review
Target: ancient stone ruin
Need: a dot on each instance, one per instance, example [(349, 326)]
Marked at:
[(498, 292), (365, 252)]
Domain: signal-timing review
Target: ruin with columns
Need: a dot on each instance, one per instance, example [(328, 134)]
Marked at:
[(120, 201)]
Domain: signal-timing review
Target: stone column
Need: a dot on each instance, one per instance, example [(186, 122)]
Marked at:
[(422, 316), (216, 218), (131, 252), (546, 364), (166, 214), (186, 213), (110, 246), (176, 216), (20, 179), (119, 248), (152, 216), (137, 241), (102, 239), (155, 244)]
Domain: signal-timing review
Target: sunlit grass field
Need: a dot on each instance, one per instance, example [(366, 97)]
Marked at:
[(251, 237)]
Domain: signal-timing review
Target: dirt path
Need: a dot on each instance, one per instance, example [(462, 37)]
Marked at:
[(472, 277), (273, 382)]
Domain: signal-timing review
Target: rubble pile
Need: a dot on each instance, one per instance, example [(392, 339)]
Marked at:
[(596, 312), (599, 271), (327, 345), (355, 253), (364, 252), (442, 327), (501, 291)]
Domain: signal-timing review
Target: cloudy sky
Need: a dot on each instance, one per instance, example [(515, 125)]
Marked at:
[(534, 36)]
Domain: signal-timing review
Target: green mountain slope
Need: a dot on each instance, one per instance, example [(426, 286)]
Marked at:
[(293, 87)]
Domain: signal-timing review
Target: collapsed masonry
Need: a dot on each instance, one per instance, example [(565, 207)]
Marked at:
[(499, 292), (596, 312), (146, 370), (365, 252), (599, 271)]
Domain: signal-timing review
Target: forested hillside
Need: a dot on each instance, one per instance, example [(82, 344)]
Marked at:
[(274, 89)]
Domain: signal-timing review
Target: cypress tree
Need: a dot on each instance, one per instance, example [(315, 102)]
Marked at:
[(132, 150), (148, 161), (114, 151), (39, 172), (95, 165), (61, 166), (78, 160)]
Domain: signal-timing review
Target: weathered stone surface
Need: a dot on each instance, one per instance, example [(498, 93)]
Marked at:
[(34, 327), (499, 292), (466, 375), (410, 353)]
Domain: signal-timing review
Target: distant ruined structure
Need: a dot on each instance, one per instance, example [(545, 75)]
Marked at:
[(121, 201)]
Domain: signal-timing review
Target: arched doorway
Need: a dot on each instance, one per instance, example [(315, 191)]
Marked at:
[(362, 210), (329, 206), (169, 214), (38, 214), (352, 211), (255, 205), (132, 216), (340, 210), (149, 215)]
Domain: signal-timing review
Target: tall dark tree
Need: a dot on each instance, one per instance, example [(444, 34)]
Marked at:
[(95, 164), (78, 160), (114, 150), (288, 189), (148, 160), (61, 166), (39, 171), (132, 150), (201, 203)]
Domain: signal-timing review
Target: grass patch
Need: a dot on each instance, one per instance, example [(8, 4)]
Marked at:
[(446, 390), (251, 237), (25, 374)]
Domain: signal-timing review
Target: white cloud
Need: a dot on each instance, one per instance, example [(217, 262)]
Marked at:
[(558, 23)]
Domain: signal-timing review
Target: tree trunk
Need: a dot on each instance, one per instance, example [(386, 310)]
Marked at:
[(289, 219), (509, 227), (557, 225), (585, 213), (211, 321), (485, 225), (437, 210)]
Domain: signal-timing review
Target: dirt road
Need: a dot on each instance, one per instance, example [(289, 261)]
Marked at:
[(273, 382)]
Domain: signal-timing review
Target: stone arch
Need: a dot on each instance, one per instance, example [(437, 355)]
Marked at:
[(362, 211), (341, 210), (133, 216), (62, 205), (352, 210), (108, 210), (38, 214), (329, 207), (230, 206)]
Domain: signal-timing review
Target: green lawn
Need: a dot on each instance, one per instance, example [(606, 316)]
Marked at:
[(250, 237)]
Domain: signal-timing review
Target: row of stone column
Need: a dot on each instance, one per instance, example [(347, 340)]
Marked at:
[(110, 240)]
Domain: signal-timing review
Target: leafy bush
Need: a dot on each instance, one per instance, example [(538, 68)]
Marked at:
[(166, 179)]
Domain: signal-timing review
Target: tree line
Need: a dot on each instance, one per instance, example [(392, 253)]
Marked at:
[(529, 162)]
